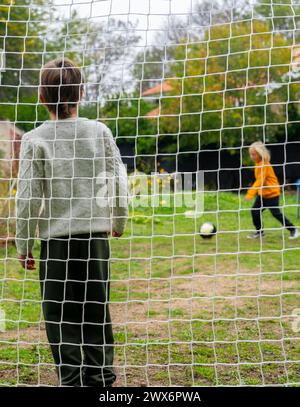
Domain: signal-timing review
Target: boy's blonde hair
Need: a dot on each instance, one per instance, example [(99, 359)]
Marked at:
[(262, 150)]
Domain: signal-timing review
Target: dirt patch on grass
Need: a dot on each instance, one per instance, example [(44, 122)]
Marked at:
[(34, 334), (160, 312), (157, 297)]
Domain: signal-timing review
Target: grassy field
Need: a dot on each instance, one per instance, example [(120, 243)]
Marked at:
[(186, 311)]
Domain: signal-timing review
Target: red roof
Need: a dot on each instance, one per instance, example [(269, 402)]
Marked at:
[(158, 89), (154, 112)]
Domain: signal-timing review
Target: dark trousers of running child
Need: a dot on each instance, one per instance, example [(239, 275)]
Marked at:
[(75, 284), (260, 204)]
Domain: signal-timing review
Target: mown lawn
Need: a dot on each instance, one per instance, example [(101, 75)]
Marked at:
[(186, 311)]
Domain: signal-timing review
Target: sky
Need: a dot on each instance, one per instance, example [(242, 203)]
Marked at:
[(149, 14), (117, 7), (149, 17)]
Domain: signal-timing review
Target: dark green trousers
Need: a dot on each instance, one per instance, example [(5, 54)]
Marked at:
[(75, 284)]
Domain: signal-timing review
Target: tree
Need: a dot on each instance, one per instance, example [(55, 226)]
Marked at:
[(219, 87), (31, 36), (20, 29)]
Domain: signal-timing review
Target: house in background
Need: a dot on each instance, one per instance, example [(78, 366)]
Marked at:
[(10, 143), (222, 169), (156, 92)]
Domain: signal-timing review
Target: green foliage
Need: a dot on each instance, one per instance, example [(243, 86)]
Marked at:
[(220, 83), (218, 80), (23, 31), (31, 36)]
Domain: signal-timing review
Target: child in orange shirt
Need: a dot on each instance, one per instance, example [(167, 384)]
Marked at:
[(266, 189)]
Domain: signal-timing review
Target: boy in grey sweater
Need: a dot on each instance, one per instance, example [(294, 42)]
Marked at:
[(72, 185)]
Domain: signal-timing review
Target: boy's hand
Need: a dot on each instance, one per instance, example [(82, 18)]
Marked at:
[(27, 261), (116, 234), (248, 198)]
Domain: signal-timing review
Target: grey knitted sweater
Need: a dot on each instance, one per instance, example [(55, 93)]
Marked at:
[(71, 180)]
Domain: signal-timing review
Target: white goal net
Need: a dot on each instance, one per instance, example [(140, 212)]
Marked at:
[(185, 86)]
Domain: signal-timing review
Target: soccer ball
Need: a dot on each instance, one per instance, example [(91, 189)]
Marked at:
[(207, 230)]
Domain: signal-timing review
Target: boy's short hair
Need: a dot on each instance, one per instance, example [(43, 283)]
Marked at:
[(61, 84)]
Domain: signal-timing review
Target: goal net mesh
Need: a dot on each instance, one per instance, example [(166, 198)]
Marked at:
[(186, 87)]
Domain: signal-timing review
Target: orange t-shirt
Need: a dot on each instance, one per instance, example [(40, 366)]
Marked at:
[(266, 182)]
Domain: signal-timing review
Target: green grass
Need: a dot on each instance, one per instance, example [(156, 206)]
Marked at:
[(186, 311)]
